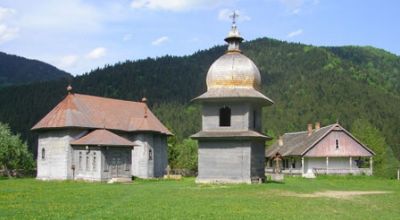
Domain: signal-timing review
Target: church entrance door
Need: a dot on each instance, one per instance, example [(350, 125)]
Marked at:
[(119, 162), (116, 164)]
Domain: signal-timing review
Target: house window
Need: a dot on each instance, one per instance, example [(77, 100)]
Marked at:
[(150, 154), (293, 163), (80, 161), (225, 117), (94, 161), (337, 144), (87, 162), (43, 154), (285, 163)]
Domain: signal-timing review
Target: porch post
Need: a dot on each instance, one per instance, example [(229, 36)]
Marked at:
[(351, 164), (370, 165), (302, 165), (327, 164)]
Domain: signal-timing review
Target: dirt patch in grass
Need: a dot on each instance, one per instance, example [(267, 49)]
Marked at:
[(336, 194)]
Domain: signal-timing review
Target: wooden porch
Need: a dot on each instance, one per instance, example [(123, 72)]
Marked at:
[(326, 168)]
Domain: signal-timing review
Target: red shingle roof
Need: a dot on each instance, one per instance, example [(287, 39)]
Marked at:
[(86, 111), (298, 143), (102, 137)]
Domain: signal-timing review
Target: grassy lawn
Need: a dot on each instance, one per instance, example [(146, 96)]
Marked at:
[(169, 199)]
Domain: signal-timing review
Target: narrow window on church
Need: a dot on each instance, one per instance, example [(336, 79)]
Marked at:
[(337, 144), (80, 161), (127, 163), (94, 161), (106, 161), (150, 154), (225, 117), (43, 154), (87, 162), (254, 119)]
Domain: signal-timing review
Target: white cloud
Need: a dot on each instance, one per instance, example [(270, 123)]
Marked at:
[(292, 4), (296, 6), (7, 33), (295, 33), (225, 15), (194, 40), (127, 37), (68, 16), (177, 5), (296, 11), (160, 41), (96, 53), (68, 61), (6, 12)]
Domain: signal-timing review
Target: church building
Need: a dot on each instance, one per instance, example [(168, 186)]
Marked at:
[(231, 145), (99, 139)]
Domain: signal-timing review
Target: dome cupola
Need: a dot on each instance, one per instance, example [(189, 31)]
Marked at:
[(234, 75), (233, 69)]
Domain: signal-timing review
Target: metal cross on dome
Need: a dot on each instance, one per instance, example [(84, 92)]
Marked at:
[(234, 16)]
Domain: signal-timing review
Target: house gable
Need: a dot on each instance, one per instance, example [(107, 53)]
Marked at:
[(338, 143)]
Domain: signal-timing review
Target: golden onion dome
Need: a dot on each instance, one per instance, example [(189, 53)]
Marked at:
[(233, 76), (233, 69)]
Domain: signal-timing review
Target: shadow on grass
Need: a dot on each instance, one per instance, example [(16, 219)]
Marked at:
[(274, 182), (15, 178)]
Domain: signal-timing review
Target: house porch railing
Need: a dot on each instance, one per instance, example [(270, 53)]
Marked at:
[(285, 171), (343, 171), (324, 171)]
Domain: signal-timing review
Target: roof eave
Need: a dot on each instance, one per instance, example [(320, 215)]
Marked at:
[(230, 138), (104, 145), (264, 102), (168, 133)]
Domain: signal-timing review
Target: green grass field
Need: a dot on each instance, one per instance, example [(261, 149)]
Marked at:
[(297, 198)]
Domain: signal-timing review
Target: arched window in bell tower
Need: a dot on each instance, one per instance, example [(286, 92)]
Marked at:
[(225, 117)]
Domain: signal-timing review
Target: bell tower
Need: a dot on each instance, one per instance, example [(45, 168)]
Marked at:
[(231, 145)]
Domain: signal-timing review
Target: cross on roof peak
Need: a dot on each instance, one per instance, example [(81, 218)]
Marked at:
[(234, 16)]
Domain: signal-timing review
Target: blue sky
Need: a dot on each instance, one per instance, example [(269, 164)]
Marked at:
[(79, 35)]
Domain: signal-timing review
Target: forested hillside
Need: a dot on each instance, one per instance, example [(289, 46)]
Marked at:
[(307, 83), (18, 70)]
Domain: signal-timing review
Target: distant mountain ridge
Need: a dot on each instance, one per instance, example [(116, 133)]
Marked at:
[(307, 83), (15, 70)]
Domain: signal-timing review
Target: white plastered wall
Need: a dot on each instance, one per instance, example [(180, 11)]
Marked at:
[(57, 161)]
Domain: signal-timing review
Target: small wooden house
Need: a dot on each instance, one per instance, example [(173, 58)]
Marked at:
[(322, 150)]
